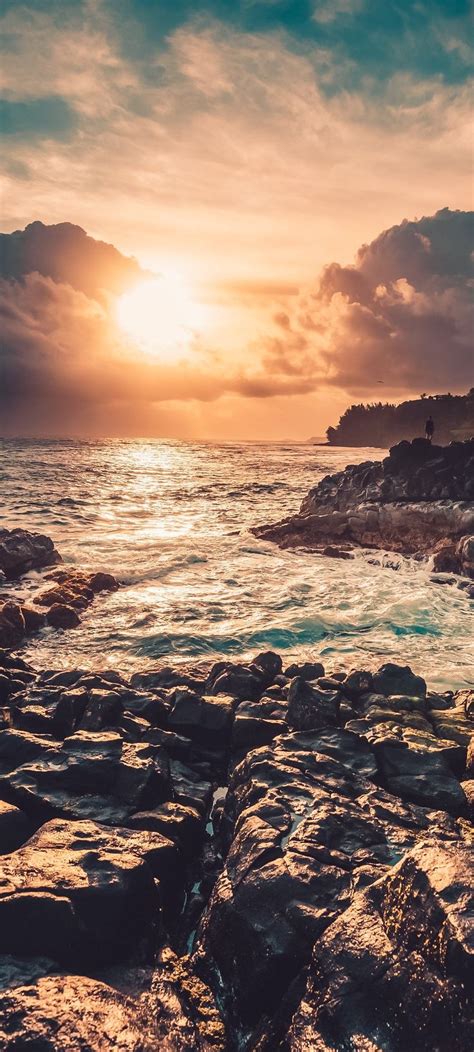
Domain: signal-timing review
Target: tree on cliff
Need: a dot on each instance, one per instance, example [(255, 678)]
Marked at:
[(384, 424)]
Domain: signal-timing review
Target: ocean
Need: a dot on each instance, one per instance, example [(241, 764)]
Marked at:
[(172, 521)]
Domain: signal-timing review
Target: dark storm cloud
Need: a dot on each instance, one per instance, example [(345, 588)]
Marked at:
[(402, 314), (66, 254)]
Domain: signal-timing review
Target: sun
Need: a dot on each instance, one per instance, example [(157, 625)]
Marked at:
[(160, 316)]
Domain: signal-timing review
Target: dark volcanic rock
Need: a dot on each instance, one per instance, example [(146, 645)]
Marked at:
[(14, 828), (420, 499), (21, 551), (310, 707), (207, 720), (398, 679), (305, 830), (93, 774), (144, 843), (72, 1013), (395, 971), (81, 892)]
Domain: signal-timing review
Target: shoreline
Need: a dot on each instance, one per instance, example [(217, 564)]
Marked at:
[(226, 856)]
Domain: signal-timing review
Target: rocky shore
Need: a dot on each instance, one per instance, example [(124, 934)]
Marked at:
[(67, 592), (417, 501), (237, 856)]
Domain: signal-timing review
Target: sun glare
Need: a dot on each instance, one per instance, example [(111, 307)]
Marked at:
[(160, 316)]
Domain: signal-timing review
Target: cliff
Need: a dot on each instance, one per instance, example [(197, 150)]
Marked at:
[(384, 424)]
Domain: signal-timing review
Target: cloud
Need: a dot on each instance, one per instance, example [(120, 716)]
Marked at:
[(66, 254), (329, 10), (241, 154), (64, 360), (402, 314)]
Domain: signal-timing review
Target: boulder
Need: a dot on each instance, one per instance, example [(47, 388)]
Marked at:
[(395, 970), (61, 615), (398, 679), (79, 892), (12, 625), (206, 720), (418, 775), (246, 683), (14, 828), (310, 708), (308, 670), (21, 551)]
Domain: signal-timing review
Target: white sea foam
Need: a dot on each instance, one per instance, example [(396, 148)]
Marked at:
[(171, 520)]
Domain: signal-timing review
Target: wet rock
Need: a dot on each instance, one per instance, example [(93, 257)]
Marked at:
[(14, 828), (79, 892), (309, 707), (270, 664), (103, 709), (418, 775), (169, 677), (357, 683), (187, 1019), (60, 615), (257, 723), (349, 749), (189, 787), (398, 679), (239, 681), (62, 1013), (180, 823), (21, 551), (309, 670), (303, 830), (34, 620), (151, 707), (89, 775), (12, 625), (75, 588), (395, 970), (206, 720)]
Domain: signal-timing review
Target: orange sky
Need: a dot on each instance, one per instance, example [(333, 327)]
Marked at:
[(236, 164)]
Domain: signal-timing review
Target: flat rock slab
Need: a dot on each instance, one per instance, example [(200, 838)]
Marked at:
[(90, 775), (81, 892)]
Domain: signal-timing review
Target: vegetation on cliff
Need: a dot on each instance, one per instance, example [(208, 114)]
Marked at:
[(384, 424)]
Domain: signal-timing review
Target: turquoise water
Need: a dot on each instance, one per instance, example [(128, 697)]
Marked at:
[(171, 520)]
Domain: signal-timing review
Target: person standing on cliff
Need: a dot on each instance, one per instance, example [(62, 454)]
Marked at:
[(429, 429)]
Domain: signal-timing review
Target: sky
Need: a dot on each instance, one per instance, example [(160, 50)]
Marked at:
[(249, 156)]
